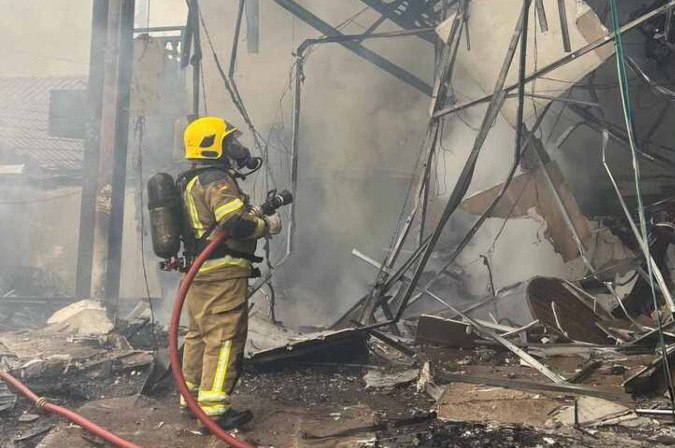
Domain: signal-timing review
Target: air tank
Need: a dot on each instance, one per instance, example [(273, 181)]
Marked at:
[(164, 205)]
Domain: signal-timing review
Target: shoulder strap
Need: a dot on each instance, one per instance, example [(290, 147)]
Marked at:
[(208, 175)]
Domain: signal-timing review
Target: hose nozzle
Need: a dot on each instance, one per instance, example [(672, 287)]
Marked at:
[(276, 200)]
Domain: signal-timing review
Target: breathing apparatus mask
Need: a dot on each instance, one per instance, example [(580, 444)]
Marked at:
[(239, 157)]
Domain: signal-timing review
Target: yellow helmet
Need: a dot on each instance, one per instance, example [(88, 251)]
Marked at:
[(204, 138)]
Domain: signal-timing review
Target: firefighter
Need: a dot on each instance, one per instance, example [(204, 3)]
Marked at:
[(217, 305)]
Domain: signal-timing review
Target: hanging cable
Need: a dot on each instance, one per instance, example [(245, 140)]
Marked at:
[(139, 128)]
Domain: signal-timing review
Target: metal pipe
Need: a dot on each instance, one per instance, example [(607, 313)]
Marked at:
[(521, 329), (295, 144), (396, 276), (396, 249), (420, 198), (522, 354), (341, 38), (556, 98), (447, 61), (541, 15), (594, 123), (659, 89), (564, 26), (425, 197), (158, 29), (444, 72), (360, 255), (371, 29), (669, 26), (196, 59), (666, 412), (235, 40), (608, 285), (575, 235), (522, 69)]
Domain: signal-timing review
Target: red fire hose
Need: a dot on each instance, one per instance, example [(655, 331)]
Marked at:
[(173, 346), (192, 404), (42, 403)]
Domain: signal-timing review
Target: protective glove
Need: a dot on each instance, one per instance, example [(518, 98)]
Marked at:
[(273, 223)]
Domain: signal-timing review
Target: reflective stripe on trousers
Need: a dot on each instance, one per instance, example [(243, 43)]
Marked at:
[(217, 395)]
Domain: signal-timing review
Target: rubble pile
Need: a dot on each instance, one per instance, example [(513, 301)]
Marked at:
[(447, 387)]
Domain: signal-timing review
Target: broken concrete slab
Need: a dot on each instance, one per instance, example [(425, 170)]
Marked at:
[(589, 410), (86, 317), (627, 420), (531, 386), (475, 403), (378, 379)]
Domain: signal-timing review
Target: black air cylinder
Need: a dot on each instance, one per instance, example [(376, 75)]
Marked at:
[(165, 209)]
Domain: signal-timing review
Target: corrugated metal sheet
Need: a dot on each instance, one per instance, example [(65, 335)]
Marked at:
[(560, 309), (24, 123)]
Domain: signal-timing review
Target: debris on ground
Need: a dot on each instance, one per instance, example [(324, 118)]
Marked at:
[(507, 179)]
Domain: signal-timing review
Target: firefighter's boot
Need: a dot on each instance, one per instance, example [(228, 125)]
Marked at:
[(230, 420)]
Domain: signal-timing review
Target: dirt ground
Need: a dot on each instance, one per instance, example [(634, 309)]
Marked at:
[(320, 404), (309, 407)]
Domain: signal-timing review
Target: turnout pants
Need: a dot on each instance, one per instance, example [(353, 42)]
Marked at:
[(217, 318)]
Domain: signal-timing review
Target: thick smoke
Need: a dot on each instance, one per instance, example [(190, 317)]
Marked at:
[(360, 136), (47, 47), (45, 38)]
